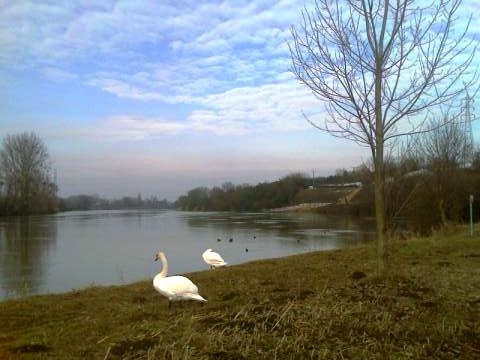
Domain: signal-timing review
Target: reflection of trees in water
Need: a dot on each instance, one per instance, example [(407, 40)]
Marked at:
[(295, 225), (229, 221), (87, 217), (24, 242)]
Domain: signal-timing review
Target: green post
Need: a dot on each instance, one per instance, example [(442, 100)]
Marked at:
[(471, 215)]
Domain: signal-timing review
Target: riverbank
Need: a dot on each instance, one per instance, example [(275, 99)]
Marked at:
[(317, 305)]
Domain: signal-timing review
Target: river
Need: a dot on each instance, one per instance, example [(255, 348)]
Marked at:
[(72, 250)]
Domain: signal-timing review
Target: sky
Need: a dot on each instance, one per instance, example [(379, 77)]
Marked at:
[(159, 97)]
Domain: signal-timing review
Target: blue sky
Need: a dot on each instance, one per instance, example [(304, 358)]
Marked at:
[(159, 97)]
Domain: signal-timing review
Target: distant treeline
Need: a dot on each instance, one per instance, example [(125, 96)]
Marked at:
[(94, 202), (290, 190)]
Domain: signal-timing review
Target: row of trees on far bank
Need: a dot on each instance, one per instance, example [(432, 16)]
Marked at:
[(243, 197), (95, 202), (289, 190)]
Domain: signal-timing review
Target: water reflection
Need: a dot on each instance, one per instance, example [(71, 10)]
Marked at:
[(292, 225), (24, 246)]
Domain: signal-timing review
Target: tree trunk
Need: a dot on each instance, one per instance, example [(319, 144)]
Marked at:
[(378, 161), (380, 210), (441, 209)]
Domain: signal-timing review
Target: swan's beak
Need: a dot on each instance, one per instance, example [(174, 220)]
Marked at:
[(156, 258)]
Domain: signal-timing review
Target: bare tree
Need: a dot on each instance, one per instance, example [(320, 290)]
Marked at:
[(442, 152), (25, 174), (380, 67)]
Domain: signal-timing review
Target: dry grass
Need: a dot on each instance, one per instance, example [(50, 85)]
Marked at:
[(325, 305)]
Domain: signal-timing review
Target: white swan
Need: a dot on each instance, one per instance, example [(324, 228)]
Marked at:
[(175, 288), (213, 259)]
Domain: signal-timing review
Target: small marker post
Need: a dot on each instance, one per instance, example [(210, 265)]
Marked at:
[(471, 215)]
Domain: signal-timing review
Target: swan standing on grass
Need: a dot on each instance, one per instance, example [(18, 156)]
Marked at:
[(213, 259), (175, 288)]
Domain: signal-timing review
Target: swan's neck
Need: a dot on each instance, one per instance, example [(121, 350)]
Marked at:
[(164, 271)]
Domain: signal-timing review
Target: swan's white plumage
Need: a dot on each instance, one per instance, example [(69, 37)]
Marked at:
[(213, 259), (174, 288)]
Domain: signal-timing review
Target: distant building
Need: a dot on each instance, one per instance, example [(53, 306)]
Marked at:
[(357, 184)]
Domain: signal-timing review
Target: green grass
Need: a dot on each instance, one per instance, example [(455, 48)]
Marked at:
[(323, 305)]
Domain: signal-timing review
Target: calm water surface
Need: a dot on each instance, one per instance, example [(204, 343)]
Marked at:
[(72, 250)]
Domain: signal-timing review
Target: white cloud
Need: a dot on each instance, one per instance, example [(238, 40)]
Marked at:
[(269, 107), (52, 32), (276, 106), (73, 31), (125, 127), (56, 74), (123, 89)]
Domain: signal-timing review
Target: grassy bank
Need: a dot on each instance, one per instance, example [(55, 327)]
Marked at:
[(321, 305)]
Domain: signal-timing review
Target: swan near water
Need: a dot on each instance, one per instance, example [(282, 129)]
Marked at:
[(175, 288), (213, 259)]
